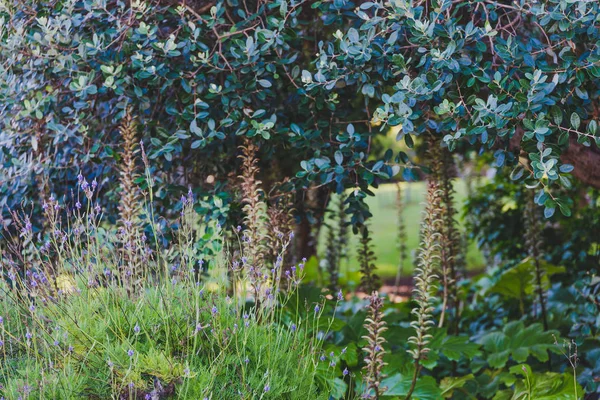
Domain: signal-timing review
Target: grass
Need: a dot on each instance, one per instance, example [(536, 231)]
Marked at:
[(384, 228), (87, 315)]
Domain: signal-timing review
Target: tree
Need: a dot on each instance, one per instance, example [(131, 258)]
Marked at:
[(199, 76), (482, 74)]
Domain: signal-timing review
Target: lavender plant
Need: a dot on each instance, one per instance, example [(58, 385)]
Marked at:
[(70, 328)]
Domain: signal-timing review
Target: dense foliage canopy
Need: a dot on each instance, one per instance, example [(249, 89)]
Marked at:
[(313, 82)]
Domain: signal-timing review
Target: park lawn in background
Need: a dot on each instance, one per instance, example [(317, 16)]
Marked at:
[(384, 231)]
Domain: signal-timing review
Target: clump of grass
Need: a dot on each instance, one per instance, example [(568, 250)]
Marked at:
[(70, 328)]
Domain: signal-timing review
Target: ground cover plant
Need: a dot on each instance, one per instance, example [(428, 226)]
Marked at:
[(299, 200)]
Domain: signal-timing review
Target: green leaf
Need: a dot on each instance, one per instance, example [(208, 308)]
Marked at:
[(338, 388), (518, 342), (450, 384), (339, 158), (575, 121), (454, 347), (519, 281), (399, 385), (540, 386)]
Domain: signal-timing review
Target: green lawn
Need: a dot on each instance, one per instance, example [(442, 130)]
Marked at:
[(384, 225)]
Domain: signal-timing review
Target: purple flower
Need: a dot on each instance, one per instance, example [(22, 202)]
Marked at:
[(246, 360), (214, 310), (70, 349), (345, 372), (1, 320), (293, 327), (267, 388), (78, 205), (340, 296), (317, 309), (332, 363), (344, 350), (322, 358), (136, 328), (28, 335), (130, 353)]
